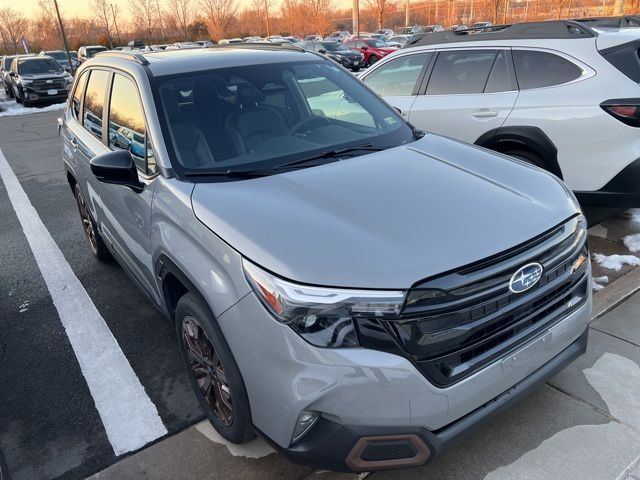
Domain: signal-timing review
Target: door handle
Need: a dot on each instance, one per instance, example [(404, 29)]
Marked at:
[(74, 143), (485, 114)]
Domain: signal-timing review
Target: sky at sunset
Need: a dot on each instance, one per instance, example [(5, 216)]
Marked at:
[(83, 7)]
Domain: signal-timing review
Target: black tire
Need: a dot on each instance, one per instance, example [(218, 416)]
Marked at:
[(372, 59), (197, 330), (27, 103), (355, 70), (17, 96), (9, 91), (528, 157), (96, 244)]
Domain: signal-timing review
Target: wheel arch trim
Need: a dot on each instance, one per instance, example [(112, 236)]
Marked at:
[(531, 138)]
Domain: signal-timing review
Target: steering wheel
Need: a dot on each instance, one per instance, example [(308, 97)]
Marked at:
[(304, 121)]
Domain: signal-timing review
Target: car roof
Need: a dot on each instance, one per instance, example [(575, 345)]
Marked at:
[(169, 62)]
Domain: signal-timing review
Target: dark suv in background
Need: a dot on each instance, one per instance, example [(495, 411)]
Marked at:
[(338, 52), (38, 80)]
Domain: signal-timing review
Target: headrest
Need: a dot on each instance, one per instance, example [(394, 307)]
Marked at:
[(248, 94)]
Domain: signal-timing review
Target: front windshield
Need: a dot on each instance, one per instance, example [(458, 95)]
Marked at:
[(334, 46), (252, 117), (57, 55), (39, 65), (375, 43)]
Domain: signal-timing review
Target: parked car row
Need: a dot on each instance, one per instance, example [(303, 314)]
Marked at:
[(359, 293)]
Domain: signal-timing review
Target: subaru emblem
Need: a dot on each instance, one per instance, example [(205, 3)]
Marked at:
[(525, 278)]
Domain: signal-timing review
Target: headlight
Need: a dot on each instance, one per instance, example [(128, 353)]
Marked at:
[(322, 316)]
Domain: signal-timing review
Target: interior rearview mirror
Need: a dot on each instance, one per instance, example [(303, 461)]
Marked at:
[(117, 168)]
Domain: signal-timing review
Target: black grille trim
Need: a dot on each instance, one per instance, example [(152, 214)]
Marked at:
[(478, 319)]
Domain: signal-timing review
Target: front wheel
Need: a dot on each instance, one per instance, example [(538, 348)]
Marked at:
[(213, 373), (372, 59), (97, 245)]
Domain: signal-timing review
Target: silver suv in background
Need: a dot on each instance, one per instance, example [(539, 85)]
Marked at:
[(360, 293)]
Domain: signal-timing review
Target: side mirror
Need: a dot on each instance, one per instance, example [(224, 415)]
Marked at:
[(365, 47), (116, 168), (322, 50), (12, 74)]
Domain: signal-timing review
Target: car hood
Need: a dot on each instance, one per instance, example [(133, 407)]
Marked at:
[(386, 219)]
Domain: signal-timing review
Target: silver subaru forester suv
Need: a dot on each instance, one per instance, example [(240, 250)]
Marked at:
[(359, 293)]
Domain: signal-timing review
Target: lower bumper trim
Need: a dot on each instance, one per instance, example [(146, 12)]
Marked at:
[(330, 445)]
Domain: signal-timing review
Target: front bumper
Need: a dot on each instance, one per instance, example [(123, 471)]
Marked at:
[(331, 445), (363, 392)]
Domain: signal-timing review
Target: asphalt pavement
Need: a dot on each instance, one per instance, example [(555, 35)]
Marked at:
[(584, 424)]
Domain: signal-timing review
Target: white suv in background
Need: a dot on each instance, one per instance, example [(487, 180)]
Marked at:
[(557, 94)]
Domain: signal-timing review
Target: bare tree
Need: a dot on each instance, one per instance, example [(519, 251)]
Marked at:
[(319, 15), (221, 14), (13, 25), (180, 17), (103, 14), (380, 9), (145, 12)]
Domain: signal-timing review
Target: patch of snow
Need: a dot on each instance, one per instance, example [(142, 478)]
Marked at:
[(615, 262), (256, 448), (603, 279), (633, 214), (596, 287), (632, 242), (13, 109)]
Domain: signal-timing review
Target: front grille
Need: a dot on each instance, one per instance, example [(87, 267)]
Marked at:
[(455, 324), (41, 85)]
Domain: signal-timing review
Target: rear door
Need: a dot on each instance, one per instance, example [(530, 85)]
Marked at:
[(398, 80), (467, 93)]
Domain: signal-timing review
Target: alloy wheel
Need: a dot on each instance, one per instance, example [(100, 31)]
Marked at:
[(87, 223), (207, 370)]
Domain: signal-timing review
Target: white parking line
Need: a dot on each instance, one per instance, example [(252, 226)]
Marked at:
[(129, 417)]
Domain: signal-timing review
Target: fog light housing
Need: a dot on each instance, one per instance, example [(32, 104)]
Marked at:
[(306, 420)]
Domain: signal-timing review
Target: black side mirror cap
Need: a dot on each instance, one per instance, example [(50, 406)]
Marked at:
[(117, 168), (322, 50)]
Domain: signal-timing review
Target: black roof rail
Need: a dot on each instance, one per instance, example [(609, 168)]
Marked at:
[(265, 45), (538, 30), (126, 55), (621, 21)]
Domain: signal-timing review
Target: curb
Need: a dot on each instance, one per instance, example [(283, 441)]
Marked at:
[(615, 293)]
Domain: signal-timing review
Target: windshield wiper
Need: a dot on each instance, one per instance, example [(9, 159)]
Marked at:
[(228, 173), (335, 153)]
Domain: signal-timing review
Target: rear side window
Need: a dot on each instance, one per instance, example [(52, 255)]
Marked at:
[(542, 69), (94, 102), (465, 71), (127, 129), (78, 93), (499, 78), (399, 76)]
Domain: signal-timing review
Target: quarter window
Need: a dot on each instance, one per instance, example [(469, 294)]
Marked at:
[(465, 71), (126, 123), (542, 69), (94, 102), (398, 76)]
